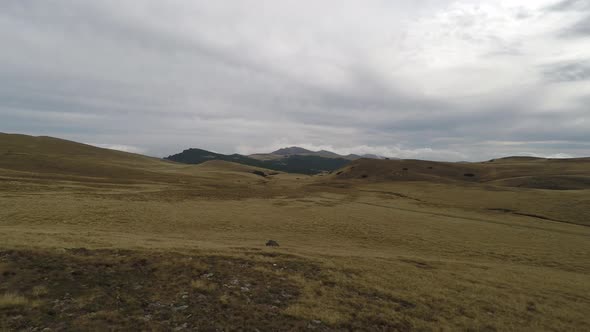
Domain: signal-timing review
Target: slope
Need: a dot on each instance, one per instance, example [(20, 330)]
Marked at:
[(51, 158), (558, 174)]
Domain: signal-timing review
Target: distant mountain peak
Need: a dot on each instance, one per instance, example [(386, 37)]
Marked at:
[(298, 151), (291, 150)]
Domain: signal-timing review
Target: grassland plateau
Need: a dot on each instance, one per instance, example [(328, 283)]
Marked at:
[(96, 239)]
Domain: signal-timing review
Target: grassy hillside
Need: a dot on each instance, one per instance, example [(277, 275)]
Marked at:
[(32, 156), (558, 174), (94, 239), (48, 163)]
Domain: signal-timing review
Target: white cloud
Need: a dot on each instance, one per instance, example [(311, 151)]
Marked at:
[(119, 147), (541, 155)]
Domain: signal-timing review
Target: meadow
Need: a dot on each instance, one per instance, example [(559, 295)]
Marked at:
[(95, 239)]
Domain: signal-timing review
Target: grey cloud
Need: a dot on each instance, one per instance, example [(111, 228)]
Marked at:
[(567, 72), (566, 5), (163, 76), (579, 29)]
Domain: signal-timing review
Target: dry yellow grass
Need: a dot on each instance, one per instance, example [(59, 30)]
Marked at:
[(203, 285), (10, 300), (39, 291), (355, 253)]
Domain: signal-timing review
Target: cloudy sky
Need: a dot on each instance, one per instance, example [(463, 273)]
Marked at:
[(429, 79)]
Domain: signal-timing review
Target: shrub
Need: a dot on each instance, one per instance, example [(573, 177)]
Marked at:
[(203, 285), (40, 291), (259, 173)]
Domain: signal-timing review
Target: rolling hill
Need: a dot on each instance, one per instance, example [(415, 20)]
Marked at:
[(47, 155), (526, 172), (51, 158)]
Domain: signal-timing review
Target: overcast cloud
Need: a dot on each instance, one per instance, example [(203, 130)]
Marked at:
[(429, 79)]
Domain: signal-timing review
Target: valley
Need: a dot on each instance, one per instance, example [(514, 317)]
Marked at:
[(100, 239)]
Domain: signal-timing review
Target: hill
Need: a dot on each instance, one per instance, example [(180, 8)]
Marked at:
[(48, 158), (291, 151), (303, 164), (47, 155), (197, 156), (527, 172), (297, 151)]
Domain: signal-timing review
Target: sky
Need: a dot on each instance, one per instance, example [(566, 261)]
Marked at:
[(427, 79)]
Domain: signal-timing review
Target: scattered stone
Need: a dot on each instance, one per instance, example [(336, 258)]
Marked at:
[(314, 324), (244, 289), (181, 327), (272, 243), (181, 308), (531, 306), (157, 305)]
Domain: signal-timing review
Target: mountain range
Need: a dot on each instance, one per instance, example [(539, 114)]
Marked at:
[(297, 151), (291, 159)]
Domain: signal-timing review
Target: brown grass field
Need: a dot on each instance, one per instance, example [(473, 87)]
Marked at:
[(95, 239)]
